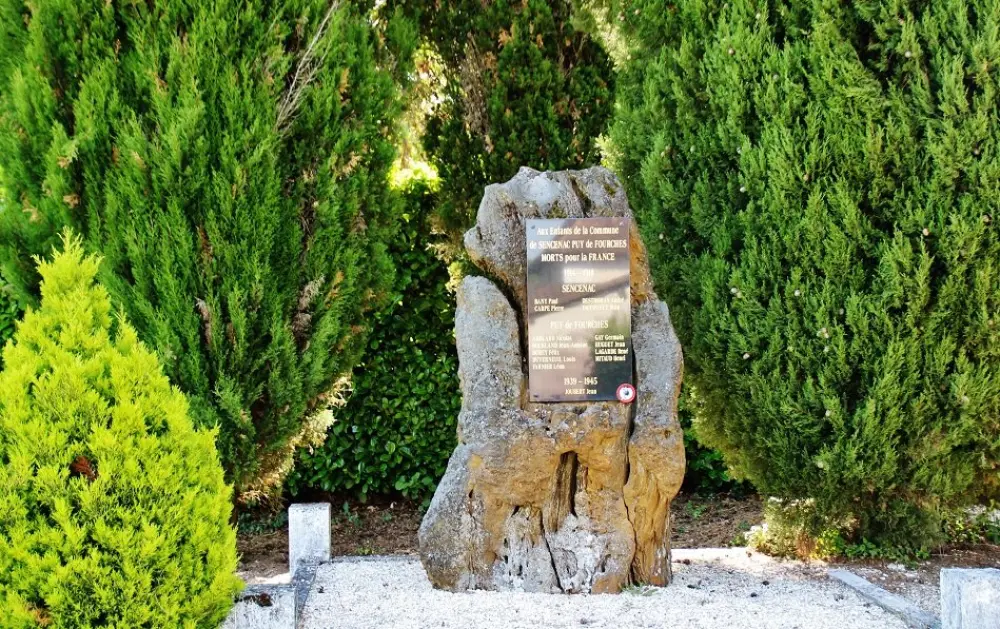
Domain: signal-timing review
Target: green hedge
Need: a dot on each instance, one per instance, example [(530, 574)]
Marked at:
[(113, 509), (229, 159), (397, 429), (524, 87), (706, 471), (819, 186), (9, 313)]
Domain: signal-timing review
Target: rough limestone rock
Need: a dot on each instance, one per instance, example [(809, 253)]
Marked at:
[(553, 497)]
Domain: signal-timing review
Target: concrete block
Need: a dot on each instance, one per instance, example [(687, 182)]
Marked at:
[(970, 598), (308, 534), (263, 607)]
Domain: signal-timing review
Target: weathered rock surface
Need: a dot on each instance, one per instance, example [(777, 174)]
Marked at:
[(970, 598), (553, 497)]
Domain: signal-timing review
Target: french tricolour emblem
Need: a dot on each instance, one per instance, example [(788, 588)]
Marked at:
[(625, 393)]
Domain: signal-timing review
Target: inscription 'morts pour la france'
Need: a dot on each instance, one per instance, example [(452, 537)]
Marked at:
[(579, 309)]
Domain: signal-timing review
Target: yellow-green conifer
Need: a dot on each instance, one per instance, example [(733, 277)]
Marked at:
[(113, 507)]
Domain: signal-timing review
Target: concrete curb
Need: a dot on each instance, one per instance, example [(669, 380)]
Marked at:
[(280, 605), (368, 558), (302, 582), (912, 615)]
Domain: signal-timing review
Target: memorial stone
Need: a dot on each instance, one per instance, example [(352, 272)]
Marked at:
[(569, 446)]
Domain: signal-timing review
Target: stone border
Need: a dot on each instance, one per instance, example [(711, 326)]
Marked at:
[(909, 613), (302, 583), (970, 598), (370, 558), (279, 606)]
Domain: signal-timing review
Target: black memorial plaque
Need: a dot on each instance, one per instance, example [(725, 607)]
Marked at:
[(579, 310)]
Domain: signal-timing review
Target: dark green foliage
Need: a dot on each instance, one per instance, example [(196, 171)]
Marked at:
[(524, 88), (113, 508), (229, 159), (706, 469), (977, 526), (397, 430), (9, 313), (261, 521), (819, 185)]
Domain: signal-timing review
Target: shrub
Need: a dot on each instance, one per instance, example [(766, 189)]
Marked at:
[(818, 183), (229, 159), (397, 429), (113, 509), (706, 471), (524, 88), (9, 311), (8, 315)]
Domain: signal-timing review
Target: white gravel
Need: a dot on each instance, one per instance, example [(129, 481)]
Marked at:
[(712, 589), (920, 587)]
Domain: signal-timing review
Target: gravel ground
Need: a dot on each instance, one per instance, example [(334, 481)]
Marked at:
[(712, 589), (920, 587), (920, 582)]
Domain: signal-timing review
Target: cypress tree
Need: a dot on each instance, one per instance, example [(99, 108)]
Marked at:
[(229, 159), (819, 185), (524, 87)]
